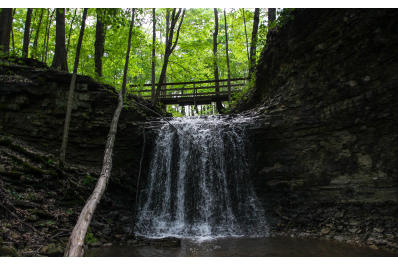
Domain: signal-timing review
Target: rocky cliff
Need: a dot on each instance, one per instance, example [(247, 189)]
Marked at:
[(33, 104), (39, 201), (326, 141)]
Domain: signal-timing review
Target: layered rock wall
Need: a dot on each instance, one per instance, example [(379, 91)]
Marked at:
[(33, 106), (32, 112), (326, 142)]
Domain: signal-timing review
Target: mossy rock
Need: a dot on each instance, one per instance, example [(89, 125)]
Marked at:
[(8, 252)]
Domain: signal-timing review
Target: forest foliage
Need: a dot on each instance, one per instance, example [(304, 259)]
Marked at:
[(191, 60)]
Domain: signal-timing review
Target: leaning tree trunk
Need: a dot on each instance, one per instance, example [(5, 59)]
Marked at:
[(76, 239), (26, 35), (5, 30), (71, 92), (153, 53), (167, 34), (215, 34), (256, 21), (227, 54), (59, 61), (99, 42)]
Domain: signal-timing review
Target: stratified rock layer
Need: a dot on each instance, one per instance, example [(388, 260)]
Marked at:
[(33, 106), (326, 142), (40, 202)]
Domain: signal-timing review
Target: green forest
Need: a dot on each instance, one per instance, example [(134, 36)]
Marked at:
[(198, 132), (241, 34)]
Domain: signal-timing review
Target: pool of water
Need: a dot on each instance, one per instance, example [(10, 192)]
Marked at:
[(242, 247)]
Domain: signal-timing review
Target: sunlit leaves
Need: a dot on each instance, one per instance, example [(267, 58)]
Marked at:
[(191, 60)]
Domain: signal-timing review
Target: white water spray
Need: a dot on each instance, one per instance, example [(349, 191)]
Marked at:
[(198, 184)]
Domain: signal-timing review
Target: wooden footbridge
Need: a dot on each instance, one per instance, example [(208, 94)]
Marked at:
[(193, 93)]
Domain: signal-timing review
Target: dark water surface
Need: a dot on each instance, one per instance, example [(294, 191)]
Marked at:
[(242, 247)]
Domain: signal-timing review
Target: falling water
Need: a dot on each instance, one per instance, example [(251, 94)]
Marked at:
[(198, 184)]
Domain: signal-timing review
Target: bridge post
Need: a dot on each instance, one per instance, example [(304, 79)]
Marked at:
[(183, 106), (194, 98)]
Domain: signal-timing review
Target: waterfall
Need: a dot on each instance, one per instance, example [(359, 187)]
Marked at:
[(198, 184)]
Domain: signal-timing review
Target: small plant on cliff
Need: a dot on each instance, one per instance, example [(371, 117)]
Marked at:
[(285, 16), (88, 180), (90, 238), (242, 95), (69, 211)]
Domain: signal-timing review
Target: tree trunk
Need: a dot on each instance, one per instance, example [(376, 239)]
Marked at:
[(71, 92), (215, 35), (34, 53), (76, 239), (167, 24), (12, 30), (247, 40), (153, 53), (43, 55), (271, 15), (59, 61), (99, 41), (256, 21), (70, 30), (161, 78), (48, 35), (26, 35), (227, 54), (170, 46), (5, 30), (167, 34)]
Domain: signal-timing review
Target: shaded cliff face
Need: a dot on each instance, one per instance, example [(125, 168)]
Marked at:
[(33, 105), (326, 145), (48, 199)]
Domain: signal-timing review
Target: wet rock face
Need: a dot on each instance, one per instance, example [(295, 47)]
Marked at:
[(327, 136)]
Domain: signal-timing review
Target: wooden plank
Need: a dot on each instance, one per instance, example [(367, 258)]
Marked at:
[(193, 82), (188, 88), (198, 95), (204, 100)]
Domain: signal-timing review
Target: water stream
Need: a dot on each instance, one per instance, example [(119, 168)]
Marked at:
[(198, 184), (243, 247)]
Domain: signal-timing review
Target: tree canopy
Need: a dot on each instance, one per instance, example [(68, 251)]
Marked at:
[(191, 60)]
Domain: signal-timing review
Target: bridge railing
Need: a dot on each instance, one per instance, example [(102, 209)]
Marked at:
[(193, 89)]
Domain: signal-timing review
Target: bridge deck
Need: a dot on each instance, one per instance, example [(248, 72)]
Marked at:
[(186, 93), (192, 100)]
